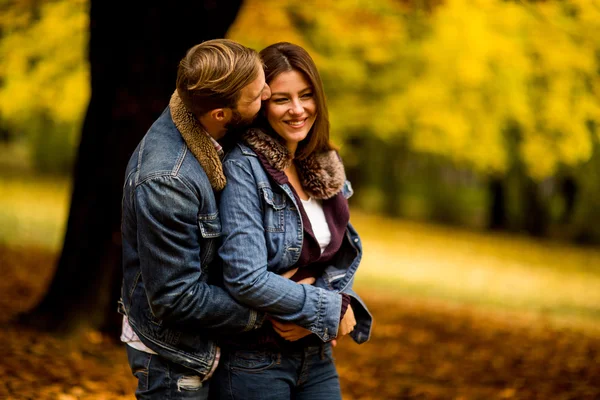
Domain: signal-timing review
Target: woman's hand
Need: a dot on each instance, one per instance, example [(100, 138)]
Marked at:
[(305, 281), (289, 273), (348, 322), (289, 331)]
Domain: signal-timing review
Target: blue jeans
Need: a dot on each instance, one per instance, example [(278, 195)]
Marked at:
[(159, 379), (303, 373)]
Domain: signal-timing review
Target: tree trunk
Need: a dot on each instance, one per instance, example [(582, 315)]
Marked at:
[(497, 210), (535, 213), (134, 52)]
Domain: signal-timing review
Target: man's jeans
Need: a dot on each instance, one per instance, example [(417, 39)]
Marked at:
[(159, 379), (302, 374)]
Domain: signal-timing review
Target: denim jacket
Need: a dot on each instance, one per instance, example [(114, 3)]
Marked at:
[(263, 237), (170, 234)]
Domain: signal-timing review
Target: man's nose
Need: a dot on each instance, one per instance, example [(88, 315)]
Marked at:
[(266, 94)]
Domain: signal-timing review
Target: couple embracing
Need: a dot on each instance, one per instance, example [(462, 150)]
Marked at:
[(238, 254)]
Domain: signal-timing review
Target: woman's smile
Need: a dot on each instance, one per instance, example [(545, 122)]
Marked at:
[(297, 123)]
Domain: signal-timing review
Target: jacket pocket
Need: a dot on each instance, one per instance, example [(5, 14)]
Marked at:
[(210, 231), (210, 225), (274, 206)]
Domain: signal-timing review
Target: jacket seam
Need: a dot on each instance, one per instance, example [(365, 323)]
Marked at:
[(165, 174), (318, 327), (241, 166), (135, 282), (179, 162), (247, 151), (139, 160)]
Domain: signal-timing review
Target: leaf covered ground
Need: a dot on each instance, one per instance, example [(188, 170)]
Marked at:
[(420, 349)]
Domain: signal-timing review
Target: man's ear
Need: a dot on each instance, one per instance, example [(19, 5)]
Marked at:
[(221, 115)]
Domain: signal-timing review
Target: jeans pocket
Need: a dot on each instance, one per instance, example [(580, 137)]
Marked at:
[(329, 352), (251, 361), (139, 362)]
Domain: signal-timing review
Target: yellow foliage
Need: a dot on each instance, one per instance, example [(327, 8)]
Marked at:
[(45, 71), (489, 64), (453, 82)]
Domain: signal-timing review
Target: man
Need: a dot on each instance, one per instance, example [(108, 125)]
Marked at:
[(171, 227)]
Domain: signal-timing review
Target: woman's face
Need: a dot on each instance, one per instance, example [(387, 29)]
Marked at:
[(291, 110)]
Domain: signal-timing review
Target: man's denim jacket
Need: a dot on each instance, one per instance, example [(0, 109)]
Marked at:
[(262, 238), (171, 233)]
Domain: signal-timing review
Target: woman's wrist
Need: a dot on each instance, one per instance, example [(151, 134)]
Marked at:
[(345, 303)]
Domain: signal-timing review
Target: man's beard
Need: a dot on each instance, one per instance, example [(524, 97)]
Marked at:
[(238, 122)]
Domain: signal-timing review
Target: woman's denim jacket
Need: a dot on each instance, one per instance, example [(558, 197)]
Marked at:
[(170, 234), (262, 238)]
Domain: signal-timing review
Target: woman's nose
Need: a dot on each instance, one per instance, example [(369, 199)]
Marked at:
[(296, 108)]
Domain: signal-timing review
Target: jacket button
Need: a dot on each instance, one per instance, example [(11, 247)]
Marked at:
[(355, 240)]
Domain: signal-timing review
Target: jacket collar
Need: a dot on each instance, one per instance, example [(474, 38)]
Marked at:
[(321, 174), (197, 140)]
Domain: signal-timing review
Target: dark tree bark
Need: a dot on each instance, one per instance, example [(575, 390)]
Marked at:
[(395, 157), (535, 211), (133, 52), (497, 214)]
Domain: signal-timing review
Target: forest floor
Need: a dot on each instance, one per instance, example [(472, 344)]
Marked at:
[(420, 349)]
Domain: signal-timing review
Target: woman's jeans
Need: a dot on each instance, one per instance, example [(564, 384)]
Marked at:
[(300, 373), (159, 379)]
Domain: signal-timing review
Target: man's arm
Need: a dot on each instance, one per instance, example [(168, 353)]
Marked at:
[(169, 250)]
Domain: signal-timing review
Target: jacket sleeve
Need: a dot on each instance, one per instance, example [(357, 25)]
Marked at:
[(170, 260), (364, 319), (244, 255)]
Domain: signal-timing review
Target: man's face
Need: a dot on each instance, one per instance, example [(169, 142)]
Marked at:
[(249, 102)]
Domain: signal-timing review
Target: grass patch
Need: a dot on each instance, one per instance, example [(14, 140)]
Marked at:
[(33, 212), (418, 260), (401, 258)]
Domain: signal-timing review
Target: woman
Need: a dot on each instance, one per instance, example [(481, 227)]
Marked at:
[(284, 211)]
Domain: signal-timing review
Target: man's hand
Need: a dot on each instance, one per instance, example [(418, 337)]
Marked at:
[(289, 331), (348, 322)]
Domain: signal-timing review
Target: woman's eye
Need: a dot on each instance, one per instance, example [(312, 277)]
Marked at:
[(280, 100), (307, 95)]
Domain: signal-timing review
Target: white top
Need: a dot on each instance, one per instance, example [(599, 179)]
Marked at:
[(316, 216)]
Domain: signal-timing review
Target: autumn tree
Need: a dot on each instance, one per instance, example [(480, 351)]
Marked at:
[(45, 78), (133, 54), (507, 90)]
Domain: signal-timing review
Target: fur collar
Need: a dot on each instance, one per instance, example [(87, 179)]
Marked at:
[(322, 174), (195, 136)]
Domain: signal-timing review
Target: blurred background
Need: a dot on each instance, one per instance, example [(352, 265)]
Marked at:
[(470, 130)]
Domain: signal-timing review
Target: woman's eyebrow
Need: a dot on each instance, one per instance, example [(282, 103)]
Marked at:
[(287, 93)]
